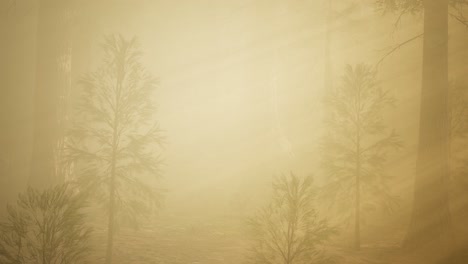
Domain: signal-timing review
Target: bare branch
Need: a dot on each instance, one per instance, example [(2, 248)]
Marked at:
[(460, 18), (397, 47), (399, 18)]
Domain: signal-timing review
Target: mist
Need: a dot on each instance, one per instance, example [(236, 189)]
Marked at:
[(302, 131)]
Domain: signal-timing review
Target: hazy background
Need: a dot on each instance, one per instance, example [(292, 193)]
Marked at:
[(241, 86)]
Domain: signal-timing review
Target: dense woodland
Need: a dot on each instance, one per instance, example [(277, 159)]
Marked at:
[(234, 131)]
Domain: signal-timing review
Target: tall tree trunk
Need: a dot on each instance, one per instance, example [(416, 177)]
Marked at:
[(328, 40), (18, 25), (5, 101), (113, 164), (357, 215), (111, 220), (112, 193), (357, 220), (53, 64), (430, 221)]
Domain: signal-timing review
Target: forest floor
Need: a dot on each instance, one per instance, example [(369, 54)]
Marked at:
[(221, 243), (173, 243), (154, 247), (205, 245)]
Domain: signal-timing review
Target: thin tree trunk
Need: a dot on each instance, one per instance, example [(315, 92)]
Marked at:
[(115, 147), (111, 220), (430, 221), (357, 220), (53, 49), (328, 40)]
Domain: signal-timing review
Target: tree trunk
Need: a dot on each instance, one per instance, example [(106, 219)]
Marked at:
[(357, 220), (53, 63), (112, 191), (18, 25), (328, 40), (430, 221), (113, 164), (357, 215), (111, 220)]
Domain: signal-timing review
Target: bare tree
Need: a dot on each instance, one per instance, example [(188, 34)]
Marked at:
[(45, 227), (116, 144), (289, 230), (356, 146)]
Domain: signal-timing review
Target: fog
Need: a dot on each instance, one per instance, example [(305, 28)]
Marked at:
[(246, 97)]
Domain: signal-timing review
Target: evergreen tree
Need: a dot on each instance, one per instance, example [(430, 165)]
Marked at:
[(289, 230), (356, 146), (115, 144)]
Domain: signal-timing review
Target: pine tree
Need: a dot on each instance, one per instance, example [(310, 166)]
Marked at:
[(289, 230), (115, 145), (356, 146)]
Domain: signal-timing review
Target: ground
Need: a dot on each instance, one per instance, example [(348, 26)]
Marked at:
[(221, 242)]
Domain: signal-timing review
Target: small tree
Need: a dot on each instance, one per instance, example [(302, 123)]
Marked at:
[(115, 144), (45, 227), (288, 230), (356, 145), (458, 117)]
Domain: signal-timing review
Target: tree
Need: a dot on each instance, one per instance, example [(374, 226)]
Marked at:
[(17, 79), (458, 118), (431, 220), (114, 145), (331, 22), (289, 230), (356, 145), (45, 227), (51, 91)]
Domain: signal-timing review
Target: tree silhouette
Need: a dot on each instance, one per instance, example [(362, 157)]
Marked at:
[(289, 230), (458, 117), (116, 142), (431, 220), (45, 227), (52, 90), (356, 146)]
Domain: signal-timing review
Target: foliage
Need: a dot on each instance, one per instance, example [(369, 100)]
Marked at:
[(412, 6), (289, 230), (116, 136), (403, 6), (357, 143), (45, 227), (114, 146)]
